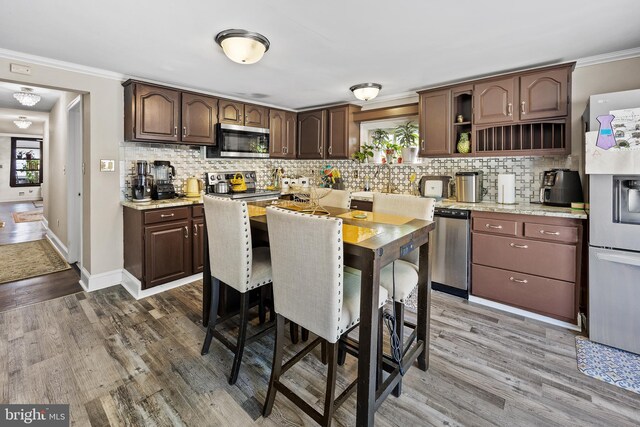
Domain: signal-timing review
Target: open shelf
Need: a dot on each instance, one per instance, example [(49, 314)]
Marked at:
[(532, 137)]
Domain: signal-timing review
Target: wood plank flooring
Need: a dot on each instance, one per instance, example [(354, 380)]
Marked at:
[(21, 232), (119, 361)]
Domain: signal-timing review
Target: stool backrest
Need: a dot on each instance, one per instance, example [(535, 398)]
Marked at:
[(405, 205), (229, 237), (337, 199), (307, 265)]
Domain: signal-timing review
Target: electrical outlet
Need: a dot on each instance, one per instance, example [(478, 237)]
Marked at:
[(21, 193), (355, 174)]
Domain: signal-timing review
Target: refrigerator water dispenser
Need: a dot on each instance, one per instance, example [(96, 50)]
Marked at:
[(627, 204)]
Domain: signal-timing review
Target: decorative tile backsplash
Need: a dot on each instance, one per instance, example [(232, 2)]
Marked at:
[(191, 162)]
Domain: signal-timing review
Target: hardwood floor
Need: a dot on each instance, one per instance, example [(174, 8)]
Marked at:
[(119, 361), (35, 289)]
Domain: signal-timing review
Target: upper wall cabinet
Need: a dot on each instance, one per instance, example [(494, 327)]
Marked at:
[(544, 94), (435, 123), (158, 114), (344, 132), (312, 134), (282, 134), (494, 101), (237, 113)]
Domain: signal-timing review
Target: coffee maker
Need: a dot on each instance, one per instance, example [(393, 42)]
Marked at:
[(141, 182), (560, 187), (164, 174)]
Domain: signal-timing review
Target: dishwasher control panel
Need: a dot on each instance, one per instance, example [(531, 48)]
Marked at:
[(453, 213)]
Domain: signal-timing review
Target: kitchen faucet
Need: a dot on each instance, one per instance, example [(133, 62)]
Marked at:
[(388, 167)]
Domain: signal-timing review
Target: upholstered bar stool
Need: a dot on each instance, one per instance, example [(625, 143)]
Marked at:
[(234, 262), (337, 199), (406, 268), (311, 289)]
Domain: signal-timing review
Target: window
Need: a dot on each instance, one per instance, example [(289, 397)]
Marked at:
[(26, 162)]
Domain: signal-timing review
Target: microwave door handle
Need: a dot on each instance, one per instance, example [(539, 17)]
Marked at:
[(620, 259)]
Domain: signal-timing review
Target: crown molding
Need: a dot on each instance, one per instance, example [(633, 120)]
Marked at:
[(61, 65), (608, 57)]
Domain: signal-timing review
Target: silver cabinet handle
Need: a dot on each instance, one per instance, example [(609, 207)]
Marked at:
[(497, 227), (167, 215), (522, 107), (175, 131), (513, 279), (186, 232), (550, 233), (195, 230), (510, 109), (513, 245), (184, 131), (330, 149), (422, 145)]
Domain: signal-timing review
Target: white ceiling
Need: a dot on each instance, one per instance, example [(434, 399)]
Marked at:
[(320, 48), (49, 97)]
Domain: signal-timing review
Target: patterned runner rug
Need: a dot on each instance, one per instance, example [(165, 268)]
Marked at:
[(27, 216), (24, 260), (608, 364)]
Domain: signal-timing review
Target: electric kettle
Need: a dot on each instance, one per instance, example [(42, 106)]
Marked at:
[(238, 184), (193, 187)]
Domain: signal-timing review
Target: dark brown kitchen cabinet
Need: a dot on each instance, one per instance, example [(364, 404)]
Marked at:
[(238, 113), (282, 134), (199, 117), (495, 101), (344, 132), (434, 110), (312, 134), (152, 113), (544, 94), (163, 245)]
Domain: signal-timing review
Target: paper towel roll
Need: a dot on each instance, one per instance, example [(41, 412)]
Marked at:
[(507, 188)]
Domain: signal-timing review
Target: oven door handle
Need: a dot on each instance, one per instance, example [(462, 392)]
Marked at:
[(620, 259)]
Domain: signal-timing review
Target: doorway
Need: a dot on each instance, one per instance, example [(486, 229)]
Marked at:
[(74, 182)]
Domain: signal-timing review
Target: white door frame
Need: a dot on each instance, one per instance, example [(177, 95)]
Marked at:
[(74, 181)]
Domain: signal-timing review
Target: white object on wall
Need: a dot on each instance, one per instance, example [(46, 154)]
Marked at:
[(507, 188)]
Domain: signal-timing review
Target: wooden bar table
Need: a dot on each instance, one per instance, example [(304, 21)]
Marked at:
[(392, 237)]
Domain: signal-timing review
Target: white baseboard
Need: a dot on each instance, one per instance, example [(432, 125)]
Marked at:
[(93, 282), (57, 243), (525, 313), (45, 223), (134, 286)]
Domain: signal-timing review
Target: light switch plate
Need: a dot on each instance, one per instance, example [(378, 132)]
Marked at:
[(107, 165)]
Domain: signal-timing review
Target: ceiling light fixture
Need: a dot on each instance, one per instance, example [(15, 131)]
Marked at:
[(22, 122), (27, 97), (242, 46), (366, 91)]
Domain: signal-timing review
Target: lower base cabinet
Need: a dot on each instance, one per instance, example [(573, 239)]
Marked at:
[(163, 245)]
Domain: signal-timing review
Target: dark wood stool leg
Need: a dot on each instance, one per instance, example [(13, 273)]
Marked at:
[(262, 308), (305, 335), (213, 314), (242, 335), (323, 352), (293, 331), (276, 367), (380, 346), (400, 331), (342, 353), (329, 398)]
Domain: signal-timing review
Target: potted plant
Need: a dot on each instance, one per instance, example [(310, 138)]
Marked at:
[(407, 137), (379, 141), (391, 149), (363, 155)]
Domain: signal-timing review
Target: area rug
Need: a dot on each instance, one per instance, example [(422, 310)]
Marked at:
[(27, 216), (608, 364), (38, 203), (24, 260)]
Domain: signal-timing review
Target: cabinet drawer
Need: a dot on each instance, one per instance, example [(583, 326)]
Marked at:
[(198, 211), (164, 215), (546, 296), (495, 226), (545, 259), (557, 233)]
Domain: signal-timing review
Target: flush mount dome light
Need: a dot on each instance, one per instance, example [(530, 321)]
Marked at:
[(22, 122), (242, 46), (27, 97), (366, 91)]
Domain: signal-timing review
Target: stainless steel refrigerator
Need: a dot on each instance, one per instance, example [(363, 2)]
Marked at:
[(612, 161)]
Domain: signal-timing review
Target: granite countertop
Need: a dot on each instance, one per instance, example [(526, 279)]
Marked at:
[(519, 208), (159, 204)]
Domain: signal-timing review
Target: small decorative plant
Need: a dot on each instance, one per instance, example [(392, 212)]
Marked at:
[(407, 134), (363, 155), (391, 149), (379, 141)]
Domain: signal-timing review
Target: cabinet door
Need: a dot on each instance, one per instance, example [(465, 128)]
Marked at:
[(338, 146), (435, 123), (495, 101), (231, 112), (199, 233), (167, 253), (312, 134), (290, 125), (255, 116), (277, 129), (199, 117), (543, 94), (157, 113)]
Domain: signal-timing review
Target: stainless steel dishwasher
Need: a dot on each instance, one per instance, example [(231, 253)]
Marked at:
[(451, 251)]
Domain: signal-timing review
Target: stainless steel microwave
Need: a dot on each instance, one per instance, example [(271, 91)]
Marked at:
[(239, 142)]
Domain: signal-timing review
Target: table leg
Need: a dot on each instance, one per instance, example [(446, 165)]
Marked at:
[(424, 303), (368, 336)]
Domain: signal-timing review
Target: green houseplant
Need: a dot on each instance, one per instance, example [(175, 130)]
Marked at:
[(379, 141), (363, 155), (407, 137)]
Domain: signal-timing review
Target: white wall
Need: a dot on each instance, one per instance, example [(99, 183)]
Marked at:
[(8, 193)]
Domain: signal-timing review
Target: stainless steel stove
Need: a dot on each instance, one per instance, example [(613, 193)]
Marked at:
[(252, 193)]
